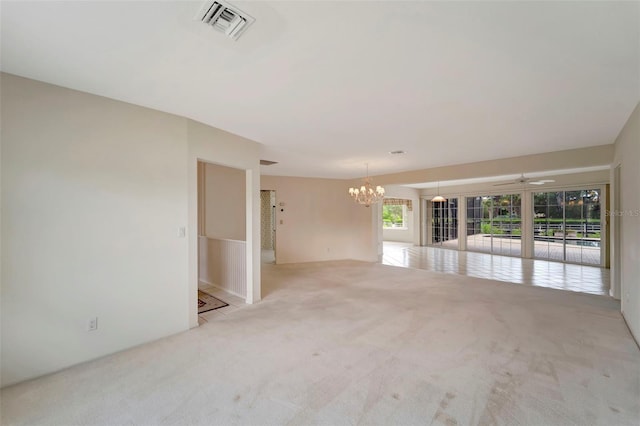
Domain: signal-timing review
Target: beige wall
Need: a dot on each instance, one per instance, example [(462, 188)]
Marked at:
[(224, 202), (212, 145), (93, 198), (319, 221), (574, 180), (94, 193), (627, 154), (560, 160)]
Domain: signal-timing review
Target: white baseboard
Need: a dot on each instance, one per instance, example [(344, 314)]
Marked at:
[(223, 289)]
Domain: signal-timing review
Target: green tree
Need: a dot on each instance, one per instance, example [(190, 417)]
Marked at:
[(392, 216)]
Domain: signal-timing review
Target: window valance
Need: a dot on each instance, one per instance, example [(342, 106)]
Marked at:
[(398, 202)]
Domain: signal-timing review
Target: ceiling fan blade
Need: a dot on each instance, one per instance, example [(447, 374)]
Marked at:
[(523, 180), (541, 181)]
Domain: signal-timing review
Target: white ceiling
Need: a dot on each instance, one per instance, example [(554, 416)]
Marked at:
[(328, 86)]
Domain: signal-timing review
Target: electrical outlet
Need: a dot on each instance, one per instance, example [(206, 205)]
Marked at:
[(92, 324)]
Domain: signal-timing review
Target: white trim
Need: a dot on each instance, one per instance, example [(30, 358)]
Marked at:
[(615, 248), (223, 239), (222, 289)]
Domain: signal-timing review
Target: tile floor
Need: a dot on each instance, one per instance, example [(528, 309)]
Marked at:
[(541, 273), (543, 249), (234, 302)]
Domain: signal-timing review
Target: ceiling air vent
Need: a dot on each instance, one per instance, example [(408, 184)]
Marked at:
[(224, 18), (267, 162)]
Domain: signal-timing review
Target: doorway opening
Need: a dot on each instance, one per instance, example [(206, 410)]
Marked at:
[(268, 226), (444, 222), (222, 239)]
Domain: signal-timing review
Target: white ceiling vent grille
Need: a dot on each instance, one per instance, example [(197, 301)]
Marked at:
[(224, 18)]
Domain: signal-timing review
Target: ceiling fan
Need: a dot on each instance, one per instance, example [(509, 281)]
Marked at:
[(525, 180)]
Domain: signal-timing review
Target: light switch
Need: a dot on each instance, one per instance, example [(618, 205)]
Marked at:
[(182, 232)]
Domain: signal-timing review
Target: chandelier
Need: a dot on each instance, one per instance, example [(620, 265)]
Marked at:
[(367, 194)]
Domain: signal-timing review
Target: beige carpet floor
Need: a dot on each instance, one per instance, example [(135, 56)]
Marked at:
[(354, 343)]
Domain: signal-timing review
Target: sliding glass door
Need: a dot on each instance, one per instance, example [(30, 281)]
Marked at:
[(494, 224), (444, 223), (566, 226)]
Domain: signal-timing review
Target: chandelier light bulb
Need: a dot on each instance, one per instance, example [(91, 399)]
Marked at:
[(368, 193)]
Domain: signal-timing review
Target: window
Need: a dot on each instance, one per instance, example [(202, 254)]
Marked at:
[(394, 213), (394, 216)]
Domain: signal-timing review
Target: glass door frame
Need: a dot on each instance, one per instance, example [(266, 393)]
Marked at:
[(604, 235), (523, 229), (527, 208), (427, 220)]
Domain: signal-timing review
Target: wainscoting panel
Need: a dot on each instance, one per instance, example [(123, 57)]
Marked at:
[(223, 264)]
